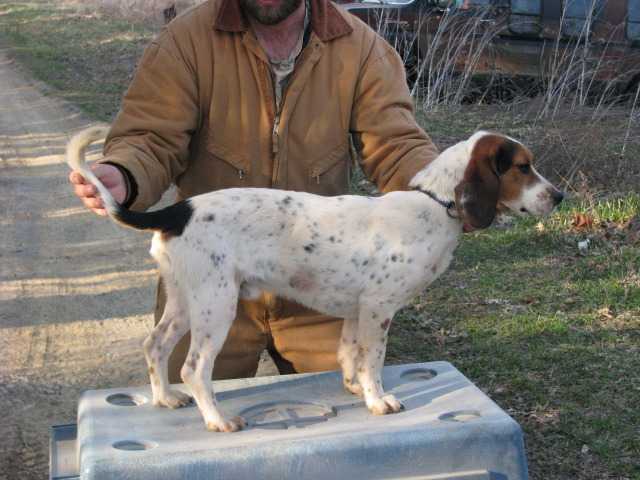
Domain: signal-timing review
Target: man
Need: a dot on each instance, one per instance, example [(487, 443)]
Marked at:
[(262, 93)]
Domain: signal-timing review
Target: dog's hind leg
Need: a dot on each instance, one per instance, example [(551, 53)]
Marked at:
[(173, 325), (348, 354), (373, 328), (211, 313)]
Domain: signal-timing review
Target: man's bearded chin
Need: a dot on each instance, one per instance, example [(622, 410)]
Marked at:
[(269, 15)]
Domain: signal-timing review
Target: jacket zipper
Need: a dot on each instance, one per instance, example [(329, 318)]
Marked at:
[(275, 132), (279, 108)]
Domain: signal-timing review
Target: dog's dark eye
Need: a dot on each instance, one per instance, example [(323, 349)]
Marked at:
[(526, 169)]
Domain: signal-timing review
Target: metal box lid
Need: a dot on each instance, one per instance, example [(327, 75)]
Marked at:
[(305, 426)]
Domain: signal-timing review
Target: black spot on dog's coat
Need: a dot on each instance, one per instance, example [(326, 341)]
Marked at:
[(217, 259)]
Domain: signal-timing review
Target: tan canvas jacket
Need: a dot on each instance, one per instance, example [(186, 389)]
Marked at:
[(200, 109)]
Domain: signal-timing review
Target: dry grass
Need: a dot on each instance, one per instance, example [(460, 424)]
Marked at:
[(149, 11), (585, 156), (585, 132)]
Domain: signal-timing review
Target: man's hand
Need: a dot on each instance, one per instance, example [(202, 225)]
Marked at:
[(110, 176)]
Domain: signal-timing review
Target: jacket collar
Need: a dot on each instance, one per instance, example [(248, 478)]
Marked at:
[(326, 21)]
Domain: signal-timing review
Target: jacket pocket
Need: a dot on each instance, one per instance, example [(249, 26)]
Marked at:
[(229, 156), (328, 174)]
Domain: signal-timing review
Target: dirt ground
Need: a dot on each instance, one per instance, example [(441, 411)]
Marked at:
[(76, 291)]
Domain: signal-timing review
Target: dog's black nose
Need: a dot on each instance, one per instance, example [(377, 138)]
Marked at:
[(557, 197)]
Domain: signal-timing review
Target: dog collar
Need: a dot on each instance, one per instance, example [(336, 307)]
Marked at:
[(448, 205)]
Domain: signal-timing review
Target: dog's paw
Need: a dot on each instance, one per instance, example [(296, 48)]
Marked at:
[(233, 425), (385, 405), (173, 399), (395, 404), (354, 388)]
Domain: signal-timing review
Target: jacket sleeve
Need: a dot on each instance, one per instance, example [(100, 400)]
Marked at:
[(391, 145), (150, 135)]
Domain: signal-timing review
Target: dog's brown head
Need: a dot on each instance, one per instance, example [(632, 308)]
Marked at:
[(500, 176)]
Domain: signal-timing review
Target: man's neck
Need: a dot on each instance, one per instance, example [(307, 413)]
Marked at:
[(279, 40)]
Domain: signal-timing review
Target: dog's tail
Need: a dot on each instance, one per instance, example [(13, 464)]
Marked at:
[(76, 159), (170, 220)]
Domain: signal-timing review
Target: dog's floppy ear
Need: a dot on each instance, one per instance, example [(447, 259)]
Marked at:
[(478, 192)]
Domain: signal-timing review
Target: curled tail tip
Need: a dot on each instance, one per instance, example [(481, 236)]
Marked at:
[(80, 141), (90, 134)]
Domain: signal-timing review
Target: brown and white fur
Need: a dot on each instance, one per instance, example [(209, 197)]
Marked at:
[(359, 258)]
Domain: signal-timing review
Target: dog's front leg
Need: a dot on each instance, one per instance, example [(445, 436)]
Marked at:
[(373, 328)]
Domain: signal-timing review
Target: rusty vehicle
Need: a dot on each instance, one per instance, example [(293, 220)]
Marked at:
[(530, 38)]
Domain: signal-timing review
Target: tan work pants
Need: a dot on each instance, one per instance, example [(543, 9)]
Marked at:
[(298, 339)]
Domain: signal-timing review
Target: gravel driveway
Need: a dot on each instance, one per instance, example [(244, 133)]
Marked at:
[(76, 291)]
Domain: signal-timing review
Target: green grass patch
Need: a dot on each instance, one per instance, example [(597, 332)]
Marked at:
[(552, 333)]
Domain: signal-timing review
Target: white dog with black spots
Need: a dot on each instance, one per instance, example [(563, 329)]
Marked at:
[(354, 257)]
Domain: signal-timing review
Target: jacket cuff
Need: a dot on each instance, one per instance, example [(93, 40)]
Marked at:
[(131, 184), (408, 168)]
